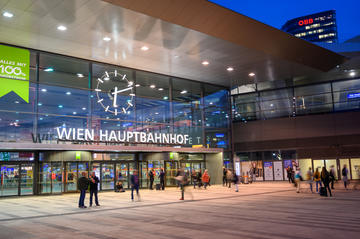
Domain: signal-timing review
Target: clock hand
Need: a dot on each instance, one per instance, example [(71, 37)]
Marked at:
[(116, 92)]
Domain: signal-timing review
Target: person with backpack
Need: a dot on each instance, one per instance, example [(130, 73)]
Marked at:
[(344, 173), (317, 179), (325, 178)]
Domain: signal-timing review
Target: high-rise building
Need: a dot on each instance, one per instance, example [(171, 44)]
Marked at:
[(318, 27)]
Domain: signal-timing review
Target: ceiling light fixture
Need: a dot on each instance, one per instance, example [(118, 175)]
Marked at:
[(251, 74), (61, 28), (44, 90), (68, 93), (230, 68), (83, 108), (8, 14), (152, 86), (107, 39), (137, 85), (352, 73), (183, 92), (80, 75), (205, 63), (144, 48), (160, 89)]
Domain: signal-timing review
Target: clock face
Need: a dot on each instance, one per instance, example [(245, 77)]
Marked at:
[(115, 93)]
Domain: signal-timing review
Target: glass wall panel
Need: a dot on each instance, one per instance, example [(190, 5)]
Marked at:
[(107, 176), (355, 168), (278, 103), (246, 107), (331, 163), (344, 162), (313, 99), (187, 102), (216, 103), (152, 97), (346, 94), (27, 179), (63, 71), (217, 139), (45, 178)]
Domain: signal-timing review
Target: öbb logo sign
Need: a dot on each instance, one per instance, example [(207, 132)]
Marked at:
[(305, 22)]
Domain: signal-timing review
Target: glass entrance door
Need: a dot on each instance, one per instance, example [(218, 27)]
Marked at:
[(318, 164), (71, 177), (331, 163), (171, 168), (27, 179), (107, 176), (57, 177), (122, 172), (45, 179), (9, 180)]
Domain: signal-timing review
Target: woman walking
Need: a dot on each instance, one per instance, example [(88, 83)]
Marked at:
[(325, 178)]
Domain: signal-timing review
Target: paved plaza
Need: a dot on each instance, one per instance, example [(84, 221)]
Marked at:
[(257, 211)]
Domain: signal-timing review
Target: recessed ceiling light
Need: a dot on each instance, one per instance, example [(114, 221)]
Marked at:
[(17, 102), (8, 14), (68, 93), (44, 90), (352, 73), (107, 39), (49, 70), (60, 106), (39, 104), (144, 48), (152, 86), (80, 75), (205, 63), (183, 92), (74, 113), (83, 108), (62, 28), (251, 74), (160, 89), (137, 85), (165, 97), (230, 68), (211, 103)]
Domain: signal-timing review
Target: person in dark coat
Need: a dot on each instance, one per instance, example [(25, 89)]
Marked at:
[(162, 179), (224, 176), (82, 184), (94, 182), (134, 180), (151, 177), (325, 178)]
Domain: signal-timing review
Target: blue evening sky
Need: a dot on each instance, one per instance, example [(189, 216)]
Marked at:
[(276, 12)]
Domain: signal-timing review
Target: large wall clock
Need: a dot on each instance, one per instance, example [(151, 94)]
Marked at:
[(115, 93)]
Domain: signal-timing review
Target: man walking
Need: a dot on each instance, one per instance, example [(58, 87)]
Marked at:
[(82, 184), (134, 180), (162, 179), (151, 176), (94, 181)]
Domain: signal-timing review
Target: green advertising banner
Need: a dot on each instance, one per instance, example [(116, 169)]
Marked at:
[(14, 71)]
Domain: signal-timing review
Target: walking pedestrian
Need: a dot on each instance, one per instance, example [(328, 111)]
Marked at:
[(224, 176), (199, 177), (162, 179), (344, 173), (332, 176), (194, 178), (94, 181), (309, 178), (288, 172), (325, 178), (206, 178), (229, 177), (317, 179), (183, 181), (151, 176), (236, 182), (83, 184), (298, 178), (134, 180)]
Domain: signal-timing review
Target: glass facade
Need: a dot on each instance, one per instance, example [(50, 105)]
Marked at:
[(336, 96), (65, 93)]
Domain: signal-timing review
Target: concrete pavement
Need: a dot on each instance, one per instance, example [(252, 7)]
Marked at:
[(260, 210)]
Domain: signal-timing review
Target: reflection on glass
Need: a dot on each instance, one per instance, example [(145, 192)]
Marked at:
[(71, 177), (27, 180), (45, 178), (9, 180), (107, 180)]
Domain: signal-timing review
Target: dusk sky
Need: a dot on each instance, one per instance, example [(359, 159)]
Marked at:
[(276, 12)]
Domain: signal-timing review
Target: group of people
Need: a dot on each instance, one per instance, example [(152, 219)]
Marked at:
[(152, 175), (199, 179), (324, 180), (229, 177)]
